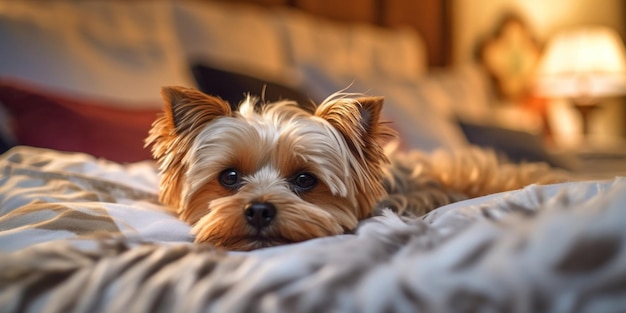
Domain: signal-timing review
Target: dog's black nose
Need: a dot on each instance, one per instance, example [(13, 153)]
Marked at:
[(260, 214)]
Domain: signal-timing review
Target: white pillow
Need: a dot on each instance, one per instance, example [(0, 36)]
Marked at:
[(462, 92), (233, 37), (123, 50), (357, 50), (408, 106)]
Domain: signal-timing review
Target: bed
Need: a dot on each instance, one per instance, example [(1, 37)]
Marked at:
[(81, 228)]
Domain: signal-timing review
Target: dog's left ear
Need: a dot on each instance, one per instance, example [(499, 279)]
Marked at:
[(359, 121)]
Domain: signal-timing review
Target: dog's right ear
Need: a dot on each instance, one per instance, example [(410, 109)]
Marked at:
[(185, 112), (187, 108)]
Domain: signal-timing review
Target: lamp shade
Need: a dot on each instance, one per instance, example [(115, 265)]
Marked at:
[(583, 63)]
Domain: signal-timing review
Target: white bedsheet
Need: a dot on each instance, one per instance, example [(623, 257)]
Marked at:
[(47, 195), (92, 235)]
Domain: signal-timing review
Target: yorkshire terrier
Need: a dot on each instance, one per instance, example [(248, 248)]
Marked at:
[(265, 174)]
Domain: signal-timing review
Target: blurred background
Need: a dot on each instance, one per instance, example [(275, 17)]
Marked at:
[(546, 19), (535, 80)]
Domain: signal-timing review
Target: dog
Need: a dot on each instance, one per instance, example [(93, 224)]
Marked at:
[(258, 174)]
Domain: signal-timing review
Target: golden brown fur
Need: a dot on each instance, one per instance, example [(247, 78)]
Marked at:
[(418, 182), (198, 137), (273, 174)]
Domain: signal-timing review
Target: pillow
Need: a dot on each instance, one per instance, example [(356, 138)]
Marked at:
[(359, 50), (235, 37), (6, 136), (233, 87), (122, 50), (59, 121), (517, 146), (407, 106), (465, 92)]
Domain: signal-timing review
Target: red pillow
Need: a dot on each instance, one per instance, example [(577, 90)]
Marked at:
[(52, 120)]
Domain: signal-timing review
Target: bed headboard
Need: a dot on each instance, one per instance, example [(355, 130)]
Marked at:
[(431, 18)]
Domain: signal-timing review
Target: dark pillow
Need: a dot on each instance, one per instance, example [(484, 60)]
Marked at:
[(233, 87), (517, 146), (57, 121), (5, 144)]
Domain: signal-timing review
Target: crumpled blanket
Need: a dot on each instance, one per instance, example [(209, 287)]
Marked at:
[(556, 248)]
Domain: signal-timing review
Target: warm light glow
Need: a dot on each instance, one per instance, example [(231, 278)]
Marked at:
[(583, 63)]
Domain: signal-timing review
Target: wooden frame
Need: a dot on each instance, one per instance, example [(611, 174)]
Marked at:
[(431, 18)]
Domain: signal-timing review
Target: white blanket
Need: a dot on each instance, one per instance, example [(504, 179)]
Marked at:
[(86, 235)]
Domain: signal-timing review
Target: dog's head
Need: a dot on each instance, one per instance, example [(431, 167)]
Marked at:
[(268, 174)]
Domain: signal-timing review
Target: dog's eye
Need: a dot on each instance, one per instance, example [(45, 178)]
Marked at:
[(304, 182), (230, 178)]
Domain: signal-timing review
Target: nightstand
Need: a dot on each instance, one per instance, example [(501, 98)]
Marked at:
[(595, 163)]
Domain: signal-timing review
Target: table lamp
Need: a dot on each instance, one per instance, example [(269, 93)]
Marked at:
[(583, 64)]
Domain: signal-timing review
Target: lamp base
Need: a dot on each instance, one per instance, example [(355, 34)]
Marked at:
[(585, 110)]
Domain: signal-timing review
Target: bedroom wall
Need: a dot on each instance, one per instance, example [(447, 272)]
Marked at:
[(474, 20)]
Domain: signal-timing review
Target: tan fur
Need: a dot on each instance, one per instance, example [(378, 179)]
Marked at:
[(340, 144), (198, 136), (363, 131), (185, 111), (418, 182), (477, 172)]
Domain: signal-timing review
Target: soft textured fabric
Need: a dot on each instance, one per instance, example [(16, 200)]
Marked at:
[(517, 146), (46, 195), (234, 87), (409, 107), (232, 37), (357, 49), (108, 129), (84, 235), (123, 51)]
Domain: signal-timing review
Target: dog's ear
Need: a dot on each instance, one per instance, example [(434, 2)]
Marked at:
[(185, 112), (359, 121), (187, 108)]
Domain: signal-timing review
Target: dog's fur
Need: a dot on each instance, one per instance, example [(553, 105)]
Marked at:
[(260, 175)]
